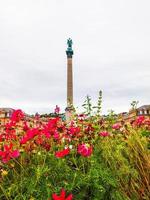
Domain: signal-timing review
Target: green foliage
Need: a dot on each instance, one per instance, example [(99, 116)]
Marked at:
[(87, 105)]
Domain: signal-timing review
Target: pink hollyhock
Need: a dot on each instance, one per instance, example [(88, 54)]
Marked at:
[(104, 134), (57, 110), (85, 150), (8, 153), (63, 153), (62, 196), (116, 126)]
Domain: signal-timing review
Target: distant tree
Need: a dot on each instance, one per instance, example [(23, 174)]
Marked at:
[(134, 104)]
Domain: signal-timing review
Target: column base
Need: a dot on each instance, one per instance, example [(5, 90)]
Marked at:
[(69, 113)]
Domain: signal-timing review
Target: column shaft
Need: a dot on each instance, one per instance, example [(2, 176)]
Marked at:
[(69, 82)]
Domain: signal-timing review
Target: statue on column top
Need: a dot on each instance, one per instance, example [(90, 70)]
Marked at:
[(69, 51), (69, 43)]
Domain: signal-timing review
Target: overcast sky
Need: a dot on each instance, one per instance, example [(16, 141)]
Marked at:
[(111, 43)]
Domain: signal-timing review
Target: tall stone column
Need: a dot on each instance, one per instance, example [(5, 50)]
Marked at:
[(69, 53), (69, 108)]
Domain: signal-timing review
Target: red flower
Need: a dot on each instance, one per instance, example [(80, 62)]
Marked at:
[(17, 115), (56, 135), (61, 154), (30, 134), (8, 153), (62, 196), (51, 127), (73, 130), (25, 126), (85, 150), (104, 134)]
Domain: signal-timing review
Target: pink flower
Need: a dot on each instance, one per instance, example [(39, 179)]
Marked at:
[(15, 154), (116, 126), (104, 134), (62, 196), (139, 120), (57, 110), (85, 150)]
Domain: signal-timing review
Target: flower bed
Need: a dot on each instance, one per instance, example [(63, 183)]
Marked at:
[(89, 158)]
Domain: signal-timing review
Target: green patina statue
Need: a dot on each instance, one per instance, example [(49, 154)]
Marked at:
[(69, 42)]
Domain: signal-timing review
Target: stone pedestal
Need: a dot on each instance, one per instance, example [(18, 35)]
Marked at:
[(69, 114)]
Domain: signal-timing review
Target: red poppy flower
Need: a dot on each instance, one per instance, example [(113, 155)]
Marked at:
[(62, 196)]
